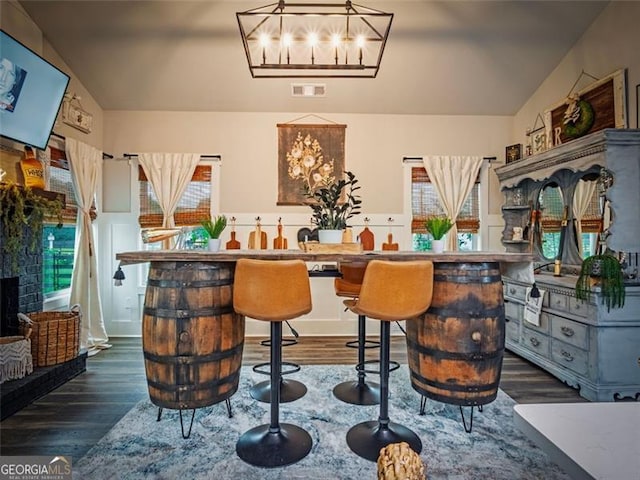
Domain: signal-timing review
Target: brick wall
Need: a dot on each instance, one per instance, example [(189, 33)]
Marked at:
[(30, 298)]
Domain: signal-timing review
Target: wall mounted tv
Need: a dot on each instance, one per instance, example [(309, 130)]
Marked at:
[(31, 92)]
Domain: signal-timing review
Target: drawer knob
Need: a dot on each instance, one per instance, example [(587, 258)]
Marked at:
[(512, 291), (567, 331), (534, 341), (567, 356), (476, 337)]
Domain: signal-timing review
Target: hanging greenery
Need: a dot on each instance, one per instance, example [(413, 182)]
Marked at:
[(20, 208), (603, 270)]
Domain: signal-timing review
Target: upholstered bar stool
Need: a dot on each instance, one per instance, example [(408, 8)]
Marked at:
[(391, 291), (357, 392), (273, 291)]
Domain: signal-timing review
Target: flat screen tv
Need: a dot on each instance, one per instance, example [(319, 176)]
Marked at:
[(31, 92)]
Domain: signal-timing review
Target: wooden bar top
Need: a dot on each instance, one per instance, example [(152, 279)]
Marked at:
[(143, 256)]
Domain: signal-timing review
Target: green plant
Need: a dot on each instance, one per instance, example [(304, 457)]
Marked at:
[(335, 203), (438, 226), (23, 208), (214, 227), (607, 270)]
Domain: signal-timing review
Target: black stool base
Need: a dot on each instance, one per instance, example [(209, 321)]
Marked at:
[(262, 448), (367, 438), (290, 390), (357, 393)]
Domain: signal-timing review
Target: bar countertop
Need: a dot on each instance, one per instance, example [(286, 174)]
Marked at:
[(143, 256)]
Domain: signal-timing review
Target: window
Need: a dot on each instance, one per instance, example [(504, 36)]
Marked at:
[(194, 204), (59, 243), (425, 203)]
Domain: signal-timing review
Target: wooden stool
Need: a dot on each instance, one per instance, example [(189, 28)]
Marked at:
[(273, 291), (356, 392), (391, 291)]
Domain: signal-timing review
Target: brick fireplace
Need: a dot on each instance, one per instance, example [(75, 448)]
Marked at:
[(21, 291)]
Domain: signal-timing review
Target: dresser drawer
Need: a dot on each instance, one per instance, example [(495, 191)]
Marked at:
[(544, 323), (515, 291), (569, 356), (512, 330), (570, 332), (535, 341), (557, 301), (578, 307), (513, 310)]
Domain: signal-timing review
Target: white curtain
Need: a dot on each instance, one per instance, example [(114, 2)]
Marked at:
[(85, 165), (581, 199), (169, 174), (453, 178)]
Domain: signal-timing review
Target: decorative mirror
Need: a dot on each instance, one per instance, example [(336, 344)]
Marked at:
[(550, 204)]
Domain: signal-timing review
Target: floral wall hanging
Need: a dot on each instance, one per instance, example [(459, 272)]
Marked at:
[(308, 156)]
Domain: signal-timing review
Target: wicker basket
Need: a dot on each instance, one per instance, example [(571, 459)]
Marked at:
[(56, 335), (15, 357)]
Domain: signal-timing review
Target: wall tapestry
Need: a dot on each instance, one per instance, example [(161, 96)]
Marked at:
[(309, 156)]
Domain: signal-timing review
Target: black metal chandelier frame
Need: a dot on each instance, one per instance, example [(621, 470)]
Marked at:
[(312, 40)]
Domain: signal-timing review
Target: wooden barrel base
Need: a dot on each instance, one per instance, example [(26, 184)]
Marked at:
[(455, 349), (191, 337)]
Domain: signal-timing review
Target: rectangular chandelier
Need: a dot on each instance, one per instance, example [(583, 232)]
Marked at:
[(311, 40)]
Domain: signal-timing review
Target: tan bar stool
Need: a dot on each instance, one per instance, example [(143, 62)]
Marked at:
[(357, 392), (273, 291), (391, 291)]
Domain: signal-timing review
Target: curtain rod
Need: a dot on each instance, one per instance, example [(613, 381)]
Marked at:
[(411, 159), (135, 155), (54, 134)]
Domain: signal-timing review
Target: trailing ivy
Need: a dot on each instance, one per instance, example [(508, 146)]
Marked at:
[(607, 269), (20, 208)]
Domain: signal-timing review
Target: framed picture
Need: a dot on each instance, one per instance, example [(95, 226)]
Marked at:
[(75, 116), (513, 153), (308, 156), (538, 138), (600, 105)]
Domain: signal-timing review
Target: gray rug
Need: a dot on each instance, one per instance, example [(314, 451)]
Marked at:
[(138, 447)]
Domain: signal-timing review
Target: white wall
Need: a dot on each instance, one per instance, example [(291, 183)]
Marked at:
[(247, 142), (612, 42)]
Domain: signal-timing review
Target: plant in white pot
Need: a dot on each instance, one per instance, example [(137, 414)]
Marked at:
[(214, 228), (438, 228), (332, 205)]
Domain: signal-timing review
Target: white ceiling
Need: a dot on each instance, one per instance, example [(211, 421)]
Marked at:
[(476, 57)]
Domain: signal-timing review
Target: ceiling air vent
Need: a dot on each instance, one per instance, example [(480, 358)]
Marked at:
[(308, 89)]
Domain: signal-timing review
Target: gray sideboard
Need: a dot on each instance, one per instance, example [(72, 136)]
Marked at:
[(588, 348)]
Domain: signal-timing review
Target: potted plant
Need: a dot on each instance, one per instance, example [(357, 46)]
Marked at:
[(606, 271), (23, 208), (438, 227), (214, 228), (332, 205)]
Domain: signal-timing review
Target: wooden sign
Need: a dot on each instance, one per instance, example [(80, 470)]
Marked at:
[(604, 107)]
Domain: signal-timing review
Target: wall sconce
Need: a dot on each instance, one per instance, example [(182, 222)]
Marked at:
[(314, 40)]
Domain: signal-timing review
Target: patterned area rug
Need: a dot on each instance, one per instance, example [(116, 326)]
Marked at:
[(138, 447)]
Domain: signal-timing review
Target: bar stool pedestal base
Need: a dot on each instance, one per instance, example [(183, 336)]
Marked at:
[(358, 393), (263, 448), (367, 438)]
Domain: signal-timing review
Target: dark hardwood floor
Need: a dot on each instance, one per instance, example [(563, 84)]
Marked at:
[(71, 419)]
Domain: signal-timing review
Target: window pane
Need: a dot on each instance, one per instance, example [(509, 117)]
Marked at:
[(58, 255)]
